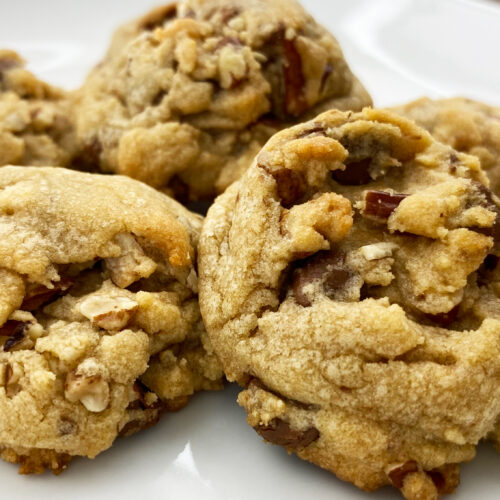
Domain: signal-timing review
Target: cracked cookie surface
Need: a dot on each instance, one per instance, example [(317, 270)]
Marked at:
[(468, 126), (188, 94), (100, 324), (346, 284), (35, 123)]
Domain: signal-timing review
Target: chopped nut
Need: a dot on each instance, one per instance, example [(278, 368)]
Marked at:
[(295, 100), (132, 264), (90, 389), (377, 251), (37, 295), (109, 313)]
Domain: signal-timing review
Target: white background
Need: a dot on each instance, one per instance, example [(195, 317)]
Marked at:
[(400, 49)]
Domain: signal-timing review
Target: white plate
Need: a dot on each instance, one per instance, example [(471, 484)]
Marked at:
[(401, 49)]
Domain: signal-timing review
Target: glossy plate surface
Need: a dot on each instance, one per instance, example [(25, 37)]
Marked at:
[(400, 49)]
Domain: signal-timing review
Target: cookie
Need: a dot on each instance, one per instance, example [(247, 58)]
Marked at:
[(35, 123), (344, 284), (468, 126), (188, 94), (100, 324)]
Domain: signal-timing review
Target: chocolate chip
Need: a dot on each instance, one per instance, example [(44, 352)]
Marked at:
[(10, 327), (290, 184), (381, 204), (158, 17), (15, 336), (295, 101), (38, 295), (398, 474), (280, 432), (445, 478), (328, 268), (356, 173)]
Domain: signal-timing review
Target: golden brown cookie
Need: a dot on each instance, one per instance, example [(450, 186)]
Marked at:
[(188, 94), (35, 123), (345, 283), (100, 325), (468, 126)]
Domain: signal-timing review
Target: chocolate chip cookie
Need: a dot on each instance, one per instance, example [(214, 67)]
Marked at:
[(100, 324), (345, 283), (466, 125), (188, 94), (35, 123)]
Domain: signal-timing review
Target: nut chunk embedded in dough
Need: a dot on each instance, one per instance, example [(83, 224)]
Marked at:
[(98, 289)]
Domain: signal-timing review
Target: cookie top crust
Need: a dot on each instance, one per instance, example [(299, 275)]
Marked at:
[(468, 126), (345, 281), (35, 118), (100, 330), (188, 94)]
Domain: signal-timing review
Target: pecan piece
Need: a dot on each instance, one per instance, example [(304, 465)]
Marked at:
[(109, 313), (37, 295), (381, 204), (91, 390), (280, 432), (295, 100), (356, 173)]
